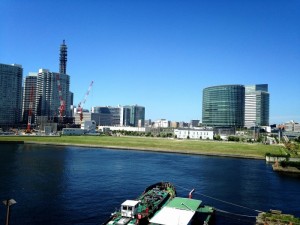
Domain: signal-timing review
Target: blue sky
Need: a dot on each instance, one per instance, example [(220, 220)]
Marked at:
[(160, 53)]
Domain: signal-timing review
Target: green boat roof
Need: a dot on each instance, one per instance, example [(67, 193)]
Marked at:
[(181, 211), (184, 203)]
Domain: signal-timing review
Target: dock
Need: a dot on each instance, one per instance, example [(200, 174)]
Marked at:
[(287, 169)]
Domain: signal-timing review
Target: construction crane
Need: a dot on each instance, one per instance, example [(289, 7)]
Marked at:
[(81, 104), (62, 102), (28, 130)]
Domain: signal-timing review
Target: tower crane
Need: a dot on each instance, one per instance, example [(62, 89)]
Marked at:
[(81, 104), (62, 102)]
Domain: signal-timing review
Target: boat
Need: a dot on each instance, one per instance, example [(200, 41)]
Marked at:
[(142, 209), (184, 211)]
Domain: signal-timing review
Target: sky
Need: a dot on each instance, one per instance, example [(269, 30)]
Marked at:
[(160, 54)]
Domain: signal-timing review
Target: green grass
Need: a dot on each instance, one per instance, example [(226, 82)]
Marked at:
[(281, 218), (173, 145)]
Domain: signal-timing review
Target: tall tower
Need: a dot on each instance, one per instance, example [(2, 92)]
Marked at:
[(47, 96), (29, 86), (10, 94), (63, 58), (257, 101)]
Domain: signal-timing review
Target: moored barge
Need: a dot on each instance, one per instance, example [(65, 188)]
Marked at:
[(141, 210)]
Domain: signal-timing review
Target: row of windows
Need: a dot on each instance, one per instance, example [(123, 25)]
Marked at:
[(192, 132)]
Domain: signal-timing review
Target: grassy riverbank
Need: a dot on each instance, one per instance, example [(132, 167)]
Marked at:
[(232, 149)]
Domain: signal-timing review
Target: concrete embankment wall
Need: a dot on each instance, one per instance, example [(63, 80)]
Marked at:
[(279, 159), (275, 159)]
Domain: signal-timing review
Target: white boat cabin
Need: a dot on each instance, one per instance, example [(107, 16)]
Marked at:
[(129, 208)]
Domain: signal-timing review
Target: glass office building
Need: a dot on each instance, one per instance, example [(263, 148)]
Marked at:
[(136, 115), (224, 105), (108, 116), (257, 100)]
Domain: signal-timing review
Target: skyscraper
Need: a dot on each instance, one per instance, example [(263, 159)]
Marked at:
[(223, 105), (63, 58), (52, 89), (48, 99), (257, 100), (29, 93), (10, 94)]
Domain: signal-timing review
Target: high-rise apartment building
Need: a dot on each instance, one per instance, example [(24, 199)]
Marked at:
[(52, 89), (50, 86), (224, 105), (10, 94), (257, 100), (29, 95)]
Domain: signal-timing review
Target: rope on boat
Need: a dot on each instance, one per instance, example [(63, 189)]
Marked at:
[(235, 214), (242, 220), (230, 203)]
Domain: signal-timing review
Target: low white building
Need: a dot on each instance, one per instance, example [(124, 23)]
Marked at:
[(112, 128), (87, 127), (163, 123), (292, 126), (194, 133)]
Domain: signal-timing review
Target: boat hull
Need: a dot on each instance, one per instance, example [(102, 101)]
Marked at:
[(140, 210)]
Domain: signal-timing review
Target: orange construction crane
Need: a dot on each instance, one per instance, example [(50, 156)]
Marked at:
[(81, 104), (62, 102)]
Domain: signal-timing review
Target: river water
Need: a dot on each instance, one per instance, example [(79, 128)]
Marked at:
[(73, 185)]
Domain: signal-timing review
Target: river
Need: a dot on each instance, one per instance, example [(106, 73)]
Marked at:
[(75, 185)]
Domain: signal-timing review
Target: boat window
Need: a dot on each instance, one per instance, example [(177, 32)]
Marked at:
[(124, 207), (130, 208)]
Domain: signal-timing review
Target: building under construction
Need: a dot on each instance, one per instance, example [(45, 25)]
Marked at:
[(52, 96), (63, 58)]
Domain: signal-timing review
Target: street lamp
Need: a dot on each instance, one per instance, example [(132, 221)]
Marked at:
[(8, 203)]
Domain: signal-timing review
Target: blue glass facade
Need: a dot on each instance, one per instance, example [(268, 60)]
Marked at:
[(223, 105)]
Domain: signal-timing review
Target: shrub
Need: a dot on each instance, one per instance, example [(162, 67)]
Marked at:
[(217, 137), (233, 138), (292, 164)]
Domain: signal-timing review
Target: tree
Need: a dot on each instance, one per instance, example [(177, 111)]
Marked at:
[(217, 137), (292, 147)]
